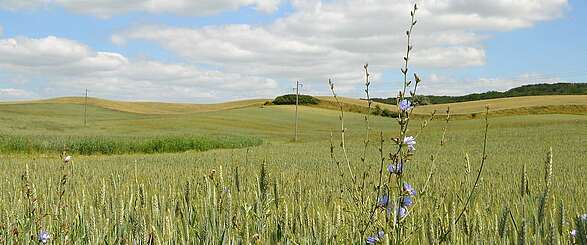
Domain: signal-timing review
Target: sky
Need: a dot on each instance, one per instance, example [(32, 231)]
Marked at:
[(206, 51)]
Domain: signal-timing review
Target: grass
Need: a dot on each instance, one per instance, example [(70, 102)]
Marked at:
[(353, 104), (512, 106), (561, 104), (271, 123), (47, 128), (519, 103), (148, 107), (223, 196), (87, 145)]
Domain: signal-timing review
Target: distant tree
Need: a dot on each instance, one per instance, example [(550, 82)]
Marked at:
[(376, 110), (421, 100), (290, 99), (387, 113)]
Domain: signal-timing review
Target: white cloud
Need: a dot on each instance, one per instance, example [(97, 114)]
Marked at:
[(23, 4), (108, 8), (12, 93), (497, 14), (318, 40), (262, 52), (321, 39), (61, 67), (446, 85), (40, 52)]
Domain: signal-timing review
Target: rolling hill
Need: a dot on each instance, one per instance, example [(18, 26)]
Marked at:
[(548, 104), (58, 121), (551, 102), (525, 90), (147, 107)]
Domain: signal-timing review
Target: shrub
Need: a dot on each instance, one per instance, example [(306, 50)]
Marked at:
[(388, 113), (88, 145), (290, 99), (376, 110)]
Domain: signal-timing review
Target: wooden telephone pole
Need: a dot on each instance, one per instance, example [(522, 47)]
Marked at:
[(86, 109), (298, 85)]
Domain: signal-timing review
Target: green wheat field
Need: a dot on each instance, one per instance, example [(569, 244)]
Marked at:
[(230, 174)]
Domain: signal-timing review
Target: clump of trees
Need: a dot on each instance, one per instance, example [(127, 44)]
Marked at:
[(290, 99), (378, 111)]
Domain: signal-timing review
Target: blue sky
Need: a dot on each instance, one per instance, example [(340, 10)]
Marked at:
[(213, 50)]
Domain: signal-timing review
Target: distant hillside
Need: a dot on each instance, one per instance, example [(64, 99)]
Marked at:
[(513, 105), (158, 108), (522, 105), (526, 90)]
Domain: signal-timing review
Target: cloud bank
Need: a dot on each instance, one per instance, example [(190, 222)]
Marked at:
[(317, 40)]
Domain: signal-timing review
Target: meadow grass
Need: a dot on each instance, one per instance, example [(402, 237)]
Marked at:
[(512, 179), (271, 123), (220, 196), (87, 145)]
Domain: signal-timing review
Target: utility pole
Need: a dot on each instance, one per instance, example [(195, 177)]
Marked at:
[(298, 85), (86, 109)]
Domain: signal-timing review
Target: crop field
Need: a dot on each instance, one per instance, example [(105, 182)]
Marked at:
[(484, 142), (241, 179)]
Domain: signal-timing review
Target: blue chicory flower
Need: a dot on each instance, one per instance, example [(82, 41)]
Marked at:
[(402, 212), (409, 189), (372, 240), (395, 169), (410, 141), (44, 237), (573, 233), (405, 105), (383, 201), (391, 168), (407, 201), (583, 217), (375, 238)]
